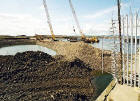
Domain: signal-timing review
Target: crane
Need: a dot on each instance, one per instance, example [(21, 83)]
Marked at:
[(88, 40), (49, 20), (76, 20)]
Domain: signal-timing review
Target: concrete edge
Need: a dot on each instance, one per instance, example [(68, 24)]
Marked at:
[(103, 96)]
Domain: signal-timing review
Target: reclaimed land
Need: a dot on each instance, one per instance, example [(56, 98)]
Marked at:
[(38, 76), (81, 50)]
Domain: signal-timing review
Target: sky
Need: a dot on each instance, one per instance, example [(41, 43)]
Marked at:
[(27, 17)]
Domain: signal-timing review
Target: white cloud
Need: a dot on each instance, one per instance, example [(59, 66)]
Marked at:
[(100, 13), (105, 12), (17, 24)]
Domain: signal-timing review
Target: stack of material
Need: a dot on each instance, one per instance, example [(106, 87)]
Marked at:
[(39, 77)]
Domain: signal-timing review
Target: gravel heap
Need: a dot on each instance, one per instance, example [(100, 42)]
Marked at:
[(85, 52), (38, 76)]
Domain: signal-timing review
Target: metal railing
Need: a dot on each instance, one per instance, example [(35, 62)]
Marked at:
[(129, 73)]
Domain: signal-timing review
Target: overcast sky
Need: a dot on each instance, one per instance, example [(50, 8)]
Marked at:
[(18, 17)]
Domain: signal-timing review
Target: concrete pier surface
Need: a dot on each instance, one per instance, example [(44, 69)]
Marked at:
[(124, 93), (118, 92)]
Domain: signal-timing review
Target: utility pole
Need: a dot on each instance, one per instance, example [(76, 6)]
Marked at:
[(120, 36)]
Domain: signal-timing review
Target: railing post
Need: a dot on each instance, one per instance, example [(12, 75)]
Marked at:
[(131, 49), (135, 53), (139, 65), (123, 46), (102, 57), (127, 52)]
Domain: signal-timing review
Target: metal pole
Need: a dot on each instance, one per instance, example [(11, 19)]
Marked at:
[(120, 37), (131, 48), (123, 47), (139, 51), (102, 57), (135, 53), (139, 61), (114, 55), (127, 51)]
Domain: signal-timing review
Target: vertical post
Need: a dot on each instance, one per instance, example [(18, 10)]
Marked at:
[(127, 52), (135, 67), (114, 54), (120, 37), (139, 52), (123, 47), (131, 48), (139, 61), (102, 57)]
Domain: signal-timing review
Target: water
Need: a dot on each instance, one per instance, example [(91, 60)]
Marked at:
[(12, 50), (63, 39), (101, 82), (108, 44)]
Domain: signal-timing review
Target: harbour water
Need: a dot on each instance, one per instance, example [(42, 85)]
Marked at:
[(12, 50), (108, 44)]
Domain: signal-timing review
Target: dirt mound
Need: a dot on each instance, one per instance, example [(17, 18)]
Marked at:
[(24, 60), (85, 52), (37, 76)]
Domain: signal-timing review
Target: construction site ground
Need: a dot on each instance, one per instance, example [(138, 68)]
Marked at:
[(73, 74)]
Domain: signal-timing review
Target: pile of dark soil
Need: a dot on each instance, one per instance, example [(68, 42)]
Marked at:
[(37, 76)]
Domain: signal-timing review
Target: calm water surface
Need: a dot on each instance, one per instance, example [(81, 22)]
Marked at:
[(12, 50)]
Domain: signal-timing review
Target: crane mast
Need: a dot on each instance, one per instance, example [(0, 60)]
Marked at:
[(49, 20), (76, 19)]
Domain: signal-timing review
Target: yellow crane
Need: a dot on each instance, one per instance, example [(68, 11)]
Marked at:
[(89, 40), (49, 20), (76, 20)]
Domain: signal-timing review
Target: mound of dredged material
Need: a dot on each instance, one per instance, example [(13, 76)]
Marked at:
[(37, 76)]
